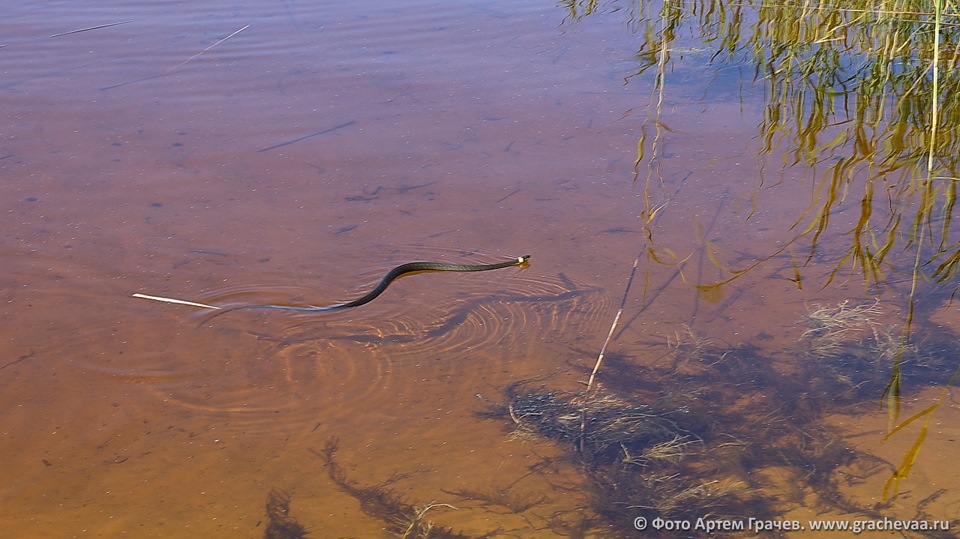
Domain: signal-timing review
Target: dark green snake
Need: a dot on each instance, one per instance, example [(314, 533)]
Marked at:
[(391, 276)]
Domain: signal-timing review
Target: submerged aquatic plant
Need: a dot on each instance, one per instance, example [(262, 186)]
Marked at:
[(280, 525), (665, 440), (833, 328), (847, 348), (613, 426), (697, 444), (637, 458), (400, 519)]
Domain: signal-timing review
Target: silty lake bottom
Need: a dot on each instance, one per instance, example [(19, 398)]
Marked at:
[(293, 153)]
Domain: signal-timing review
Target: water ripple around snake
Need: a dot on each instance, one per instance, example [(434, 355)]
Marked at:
[(310, 367)]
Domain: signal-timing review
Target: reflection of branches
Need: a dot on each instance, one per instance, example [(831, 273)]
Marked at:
[(579, 9), (846, 85), (854, 91), (648, 216)]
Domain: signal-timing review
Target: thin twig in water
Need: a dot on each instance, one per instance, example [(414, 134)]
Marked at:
[(603, 349), (97, 27), (650, 217), (205, 50), (305, 137)]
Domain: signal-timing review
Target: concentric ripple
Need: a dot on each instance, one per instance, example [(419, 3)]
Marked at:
[(276, 371), (276, 386)]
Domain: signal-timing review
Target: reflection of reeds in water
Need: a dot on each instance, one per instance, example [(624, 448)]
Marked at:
[(858, 95), (848, 90)]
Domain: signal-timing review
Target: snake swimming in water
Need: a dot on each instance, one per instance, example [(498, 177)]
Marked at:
[(392, 275)]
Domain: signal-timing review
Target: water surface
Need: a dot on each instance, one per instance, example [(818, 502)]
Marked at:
[(293, 153)]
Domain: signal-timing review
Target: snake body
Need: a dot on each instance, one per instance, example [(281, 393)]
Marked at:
[(392, 275)]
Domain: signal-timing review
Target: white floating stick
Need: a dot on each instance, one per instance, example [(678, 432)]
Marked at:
[(205, 50), (177, 301)]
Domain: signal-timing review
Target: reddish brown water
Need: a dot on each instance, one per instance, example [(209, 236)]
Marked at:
[(293, 153)]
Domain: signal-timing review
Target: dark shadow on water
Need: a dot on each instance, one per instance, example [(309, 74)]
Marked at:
[(718, 432), (706, 432)]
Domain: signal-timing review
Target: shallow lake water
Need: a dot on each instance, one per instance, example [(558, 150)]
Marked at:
[(294, 152)]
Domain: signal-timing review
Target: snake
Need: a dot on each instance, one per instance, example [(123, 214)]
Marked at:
[(392, 275)]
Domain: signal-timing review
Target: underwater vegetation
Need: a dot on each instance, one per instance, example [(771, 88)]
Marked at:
[(400, 519), (855, 354), (279, 523), (710, 431)]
